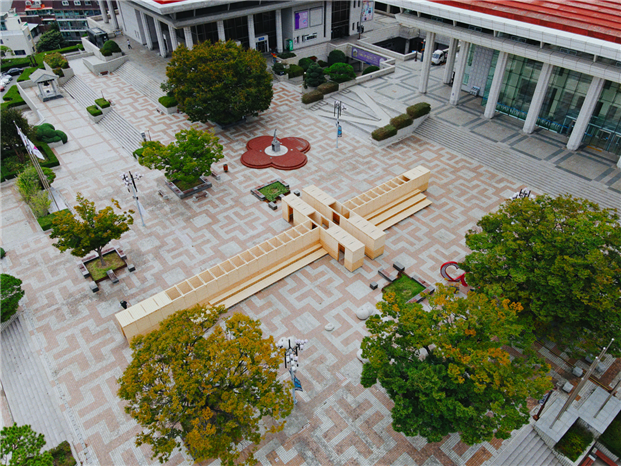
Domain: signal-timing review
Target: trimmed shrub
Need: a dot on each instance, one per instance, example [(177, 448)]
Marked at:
[(341, 72), (56, 60), (401, 121), (574, 442), (46, 221), (314, 75), (326, 88), (48, 134), (167, 101), (2, 253), (418, 110), (323, 64), (93, 110), (286, 55), (109, 48), (312, 96), (384, 132), (12, 98), (102, 103), (370, 69), (279, 68), (305, 63), (294, 71), (337, 56)]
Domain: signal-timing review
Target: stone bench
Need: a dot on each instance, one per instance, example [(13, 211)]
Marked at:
[(112, 276), (83, 269)]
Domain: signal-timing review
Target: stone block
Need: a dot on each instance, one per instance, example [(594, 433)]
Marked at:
[(297, 192), (398, 266), (388, 274), (131, 267), (94, 287), (568, 387), (272, 205), (577, 371), (373, 285)]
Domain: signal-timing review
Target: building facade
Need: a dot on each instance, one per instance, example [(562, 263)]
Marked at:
[(555, 65), (15, 35), (263, 25)]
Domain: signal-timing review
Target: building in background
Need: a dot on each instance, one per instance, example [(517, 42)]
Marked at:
[(16, 35)]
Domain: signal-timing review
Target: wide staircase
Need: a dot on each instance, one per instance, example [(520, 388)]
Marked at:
[(30, 395), (118, 127), (526, 449), (148, 86)]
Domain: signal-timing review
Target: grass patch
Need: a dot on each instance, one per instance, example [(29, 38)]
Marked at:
[(273, 190), (103, 103), (62, 455), (12, 98), (405, 287), (46, 220), (112, 261), (611, 437), (185, 185), (574, 442), (94, 110)]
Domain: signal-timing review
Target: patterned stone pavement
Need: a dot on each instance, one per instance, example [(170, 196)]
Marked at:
[(336, 421)]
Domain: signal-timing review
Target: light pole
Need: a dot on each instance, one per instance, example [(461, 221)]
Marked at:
[(130, 183), (338, 108), (291, 360)]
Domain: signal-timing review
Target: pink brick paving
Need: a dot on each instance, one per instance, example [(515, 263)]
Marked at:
[(336, 421)]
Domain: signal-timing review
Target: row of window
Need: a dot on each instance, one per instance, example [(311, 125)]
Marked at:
[(65, 3)]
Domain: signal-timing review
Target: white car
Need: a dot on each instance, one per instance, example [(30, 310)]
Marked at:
[(6, 80)]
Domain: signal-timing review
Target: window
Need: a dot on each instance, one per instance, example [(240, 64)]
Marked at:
[(19, 52), (65, 2), (316, 16), (77, 2), (87, 2)]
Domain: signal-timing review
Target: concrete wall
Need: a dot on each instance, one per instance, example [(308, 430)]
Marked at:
[(97, 66), (479, 70), (128, 13)]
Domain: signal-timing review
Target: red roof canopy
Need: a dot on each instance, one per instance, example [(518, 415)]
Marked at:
[(600, 19)]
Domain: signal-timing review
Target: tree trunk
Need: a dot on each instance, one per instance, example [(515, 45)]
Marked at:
[(103, 264)]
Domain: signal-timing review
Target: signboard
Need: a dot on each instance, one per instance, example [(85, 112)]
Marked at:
[(301, 19), (297, 384), (367, 11), (367, 57)]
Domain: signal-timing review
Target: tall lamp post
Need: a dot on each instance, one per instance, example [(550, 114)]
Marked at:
[(130, 183), (338, 108), (291, 360)]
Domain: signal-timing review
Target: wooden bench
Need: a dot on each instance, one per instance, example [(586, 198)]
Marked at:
[(161, 193)]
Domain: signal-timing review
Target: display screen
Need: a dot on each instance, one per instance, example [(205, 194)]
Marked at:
[(301, 19)]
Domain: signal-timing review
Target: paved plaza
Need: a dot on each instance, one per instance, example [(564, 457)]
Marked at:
[(337, 421)]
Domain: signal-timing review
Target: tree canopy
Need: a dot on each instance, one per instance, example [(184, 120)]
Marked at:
[(23, 445), (51, 40), (208, 384), (561, 259), (446, 370), (219, 82), (185, 159), (8, 132), (92, 231), (10, 294)]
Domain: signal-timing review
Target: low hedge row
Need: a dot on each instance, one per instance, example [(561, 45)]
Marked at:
[(401, 121), (384, 132), (12, 98), (49, 162), (46, 221), (94, 110), (25, 61), (103, 103), (312, 96), (294, 71), (370, 69), (284, 55), (167, 101), (327, 88), (418, 110)]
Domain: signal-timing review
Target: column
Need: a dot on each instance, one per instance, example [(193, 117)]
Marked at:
[(426, 65), (407, 47), (464, 50), (537, 99), (187, 32), (251, 38), (494, 90), (586, 112), (115, 24), (221, 33), (147, 31), (173, 37), (279, 44), (328, 21), (160, 36), (102, 7), (450, 61)]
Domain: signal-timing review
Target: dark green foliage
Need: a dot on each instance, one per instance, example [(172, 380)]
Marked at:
[(46, 221), (273, 190), (322, 63), (48, 134), (279, 68), (337, 56), (9, 138), (370, 69), (401, 121), (59, 72), (25, 76), (294, 71), (24, 446), (384, 132), (38, 58), (561, 259), (314, 75), (62, 455), (418, 110), (327, 88), (305, 63), (12, 99), (102, 103), (285, 55), (94, 110), (56, 60), (611, 438), (312, 96), (109, 48), (574, 442), (138, 152), (167, 101), (11, 167), (10, 294), (341, 72), (2, 253), (50, 40)]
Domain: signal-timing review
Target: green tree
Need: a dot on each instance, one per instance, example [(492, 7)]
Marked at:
[(40, 204), (8, 132), (10, 294), (30, 173), (337, 56), (51, 40), (561, 259), (185, 159), (341, 72), (446, 370), (92, 231), (21, 446), (208, 384), (219, 82), (314, 76)]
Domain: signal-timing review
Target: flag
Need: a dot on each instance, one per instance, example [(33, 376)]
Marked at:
[(30, 147), (297, 384)]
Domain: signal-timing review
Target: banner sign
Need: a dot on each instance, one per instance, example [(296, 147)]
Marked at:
[(367, 11), (301, 19), (297, 384), (367, 57)]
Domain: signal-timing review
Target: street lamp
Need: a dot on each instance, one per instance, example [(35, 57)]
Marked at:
[(130, 183), (291, 361), (338, 108)]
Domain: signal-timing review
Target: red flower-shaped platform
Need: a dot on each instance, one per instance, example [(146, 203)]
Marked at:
[(292, 149)]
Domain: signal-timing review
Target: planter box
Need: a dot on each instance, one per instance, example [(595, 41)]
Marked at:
[(167, 111), (96, 119), (94, 257), (401, 134), (190, 192), (256, 193), (280, 77)]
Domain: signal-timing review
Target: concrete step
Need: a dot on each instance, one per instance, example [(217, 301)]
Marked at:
[(29, 393), (140, 81)]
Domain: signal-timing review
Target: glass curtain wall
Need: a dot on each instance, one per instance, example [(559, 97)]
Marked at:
[(604, 130), (237, 30), (518, 85), (265, 23), (490, 77), (204, 32)]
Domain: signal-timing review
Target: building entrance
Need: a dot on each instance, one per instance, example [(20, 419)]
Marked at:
[(262, 44)]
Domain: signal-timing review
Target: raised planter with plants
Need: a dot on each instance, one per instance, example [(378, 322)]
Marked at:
[(183, 190), (401, 126), (103, 105), (95, 113), (271, 191), (167, 104), (112, 261)]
